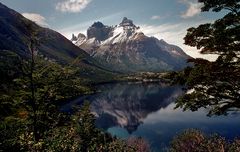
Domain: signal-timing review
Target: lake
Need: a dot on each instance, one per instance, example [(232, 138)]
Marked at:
[(147, 110)]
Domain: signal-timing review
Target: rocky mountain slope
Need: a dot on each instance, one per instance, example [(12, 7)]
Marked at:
[(15, 33), (125, 48)]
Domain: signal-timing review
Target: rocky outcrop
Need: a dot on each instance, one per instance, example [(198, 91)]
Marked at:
[(125, 48)]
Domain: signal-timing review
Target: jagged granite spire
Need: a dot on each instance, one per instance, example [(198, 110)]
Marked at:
[(125, 48), (98, 25), (74, 38), (127, 22), (99, 31)]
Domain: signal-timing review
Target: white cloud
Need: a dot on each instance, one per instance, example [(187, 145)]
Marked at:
[(72, 6), (155, 17), (37, 18), (194, 8)]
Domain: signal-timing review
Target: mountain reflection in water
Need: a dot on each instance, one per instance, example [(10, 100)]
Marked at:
[(128, 105), (147, 110)]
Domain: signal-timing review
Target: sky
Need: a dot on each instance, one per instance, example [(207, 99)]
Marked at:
[(163, 19)]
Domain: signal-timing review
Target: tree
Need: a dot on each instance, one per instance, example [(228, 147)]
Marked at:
[(78, 134), (29, 92), (215, 85), (195, 141)]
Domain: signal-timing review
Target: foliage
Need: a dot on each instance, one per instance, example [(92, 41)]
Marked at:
[(138, 144), (218, 5), (9, 70), (79, 134), (92, 138), (215, 85), (179, 77), (26, 118), (220, 37), (235, 146), (118, 146), (29, 91), (187, 141), (195, 141)]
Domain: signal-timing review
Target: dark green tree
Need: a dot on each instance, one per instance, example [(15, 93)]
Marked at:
[(215, 85), (30, 88)]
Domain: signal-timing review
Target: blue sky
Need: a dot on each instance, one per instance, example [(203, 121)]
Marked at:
[(164, 19)]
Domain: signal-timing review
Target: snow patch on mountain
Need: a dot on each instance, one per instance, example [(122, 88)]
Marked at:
[(125, 47)]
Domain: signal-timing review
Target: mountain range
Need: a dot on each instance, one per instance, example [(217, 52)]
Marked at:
[(121, 48), (126, 48)]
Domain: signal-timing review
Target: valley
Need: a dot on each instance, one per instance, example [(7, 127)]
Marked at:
[(117, 87)]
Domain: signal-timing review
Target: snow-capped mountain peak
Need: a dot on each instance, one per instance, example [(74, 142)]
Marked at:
[(103, 34), (126, 48), (127, 23), (79, 40), (122, 33)]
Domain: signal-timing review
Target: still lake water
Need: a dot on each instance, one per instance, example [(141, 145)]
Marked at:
[(147, 110)]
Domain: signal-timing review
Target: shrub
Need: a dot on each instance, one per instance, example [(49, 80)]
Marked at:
[(195, 141)]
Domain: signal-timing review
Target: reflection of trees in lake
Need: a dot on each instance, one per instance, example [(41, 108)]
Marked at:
[(127, 105)]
